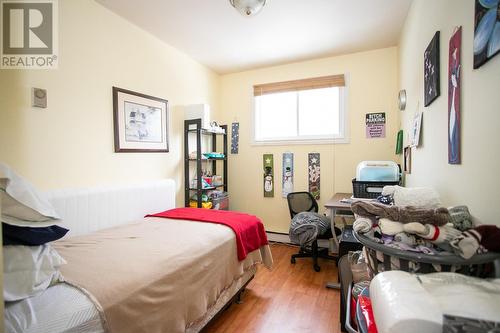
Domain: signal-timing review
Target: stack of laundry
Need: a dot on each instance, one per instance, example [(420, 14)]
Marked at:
[(29, 224), (412, 219)]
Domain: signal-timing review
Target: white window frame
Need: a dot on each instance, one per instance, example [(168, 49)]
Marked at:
[(342, 138)]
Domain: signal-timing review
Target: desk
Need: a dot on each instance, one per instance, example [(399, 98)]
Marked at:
[(340, 209), (343, 210)]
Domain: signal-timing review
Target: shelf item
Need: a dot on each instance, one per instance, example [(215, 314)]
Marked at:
[(209, 159), (205, 132), (211, 188), (196, 182), (214, 155)]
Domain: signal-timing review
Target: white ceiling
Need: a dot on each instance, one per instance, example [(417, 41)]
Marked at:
[(215, 34)]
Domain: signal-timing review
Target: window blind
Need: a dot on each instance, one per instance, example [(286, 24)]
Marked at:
[(297, 85)]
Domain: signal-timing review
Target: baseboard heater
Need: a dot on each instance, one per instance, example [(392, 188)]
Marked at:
[(281, 237)]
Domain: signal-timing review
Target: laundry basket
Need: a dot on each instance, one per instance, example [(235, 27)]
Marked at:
[(383, 258)]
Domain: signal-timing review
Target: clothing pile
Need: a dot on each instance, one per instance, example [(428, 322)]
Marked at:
[(306, 226), (412, 219)]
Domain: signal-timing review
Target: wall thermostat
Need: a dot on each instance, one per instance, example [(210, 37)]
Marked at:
[(39, 98)]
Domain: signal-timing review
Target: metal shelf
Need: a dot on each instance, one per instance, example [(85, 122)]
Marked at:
[(208, 188), (204, 132), (188, 171)]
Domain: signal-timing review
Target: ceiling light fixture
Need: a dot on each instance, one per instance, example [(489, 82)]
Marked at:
[(248, 7)]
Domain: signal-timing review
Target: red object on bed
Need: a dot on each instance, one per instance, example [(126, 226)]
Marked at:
[(249, 230)]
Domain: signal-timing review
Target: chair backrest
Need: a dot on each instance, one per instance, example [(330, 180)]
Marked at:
[(301, 202)]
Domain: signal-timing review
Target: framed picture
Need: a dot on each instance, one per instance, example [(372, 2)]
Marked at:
[(431, 71), (140, 122), (407, 160), (415, 131), (486, 31)]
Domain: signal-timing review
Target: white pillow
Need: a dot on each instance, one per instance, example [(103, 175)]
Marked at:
[(22, 204), (29, 270)]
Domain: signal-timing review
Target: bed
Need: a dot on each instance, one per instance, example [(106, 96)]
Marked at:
[(127, 273)]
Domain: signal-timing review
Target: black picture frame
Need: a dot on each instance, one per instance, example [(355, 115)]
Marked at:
[(486, 32), (140, 122), (432, 82)]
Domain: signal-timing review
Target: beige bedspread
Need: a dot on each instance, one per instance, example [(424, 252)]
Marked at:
[(156, 275)]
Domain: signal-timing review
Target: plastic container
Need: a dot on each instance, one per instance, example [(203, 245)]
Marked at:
[(369, 189), (221, 202), (385, 258), (377, 171), (347, 324)]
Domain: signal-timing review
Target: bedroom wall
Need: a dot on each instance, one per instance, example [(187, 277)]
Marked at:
[(70, 143), (373, 82), (475, 182)]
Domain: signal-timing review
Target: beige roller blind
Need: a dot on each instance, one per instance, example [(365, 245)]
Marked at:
[(297, 85)]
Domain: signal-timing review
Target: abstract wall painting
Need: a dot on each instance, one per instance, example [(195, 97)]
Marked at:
[(268, 175), (431, 71), (314, 175), (454, 67), (486, 31), (287, 174), (235, 138)]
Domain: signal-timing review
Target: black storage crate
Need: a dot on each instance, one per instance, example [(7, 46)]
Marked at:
[(369, 190)]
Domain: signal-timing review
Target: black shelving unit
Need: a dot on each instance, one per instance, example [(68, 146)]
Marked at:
[(193, 127)]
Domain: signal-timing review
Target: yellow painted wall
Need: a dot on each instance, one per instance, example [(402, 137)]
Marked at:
[(71, 142), (373, 86), (475, 182)]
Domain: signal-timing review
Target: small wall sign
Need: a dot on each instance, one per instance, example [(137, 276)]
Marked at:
[(375, 125)]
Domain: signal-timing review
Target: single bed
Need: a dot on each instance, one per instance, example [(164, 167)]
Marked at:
[(133, 274)]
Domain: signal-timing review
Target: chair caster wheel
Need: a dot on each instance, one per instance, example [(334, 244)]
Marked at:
[(317, 268), (292, 260)]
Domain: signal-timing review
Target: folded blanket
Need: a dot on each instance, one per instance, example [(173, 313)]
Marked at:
[(436, 216), (249, 230), (362, 225), (421, 197), (306, 227)]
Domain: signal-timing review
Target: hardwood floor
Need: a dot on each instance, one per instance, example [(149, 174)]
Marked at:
[(290, 298)]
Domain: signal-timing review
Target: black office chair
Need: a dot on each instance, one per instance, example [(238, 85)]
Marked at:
[(304, 202)]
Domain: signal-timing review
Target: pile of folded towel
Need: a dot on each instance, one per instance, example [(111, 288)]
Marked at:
[(412, 219)]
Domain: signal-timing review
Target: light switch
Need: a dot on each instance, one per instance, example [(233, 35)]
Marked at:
[(39, 97)]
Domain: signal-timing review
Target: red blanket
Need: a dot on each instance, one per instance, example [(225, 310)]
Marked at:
[(249, 230)]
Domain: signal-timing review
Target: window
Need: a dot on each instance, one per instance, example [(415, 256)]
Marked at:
[(300, 111)]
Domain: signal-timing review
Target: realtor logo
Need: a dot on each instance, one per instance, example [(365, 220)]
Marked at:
[(29, 34)]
